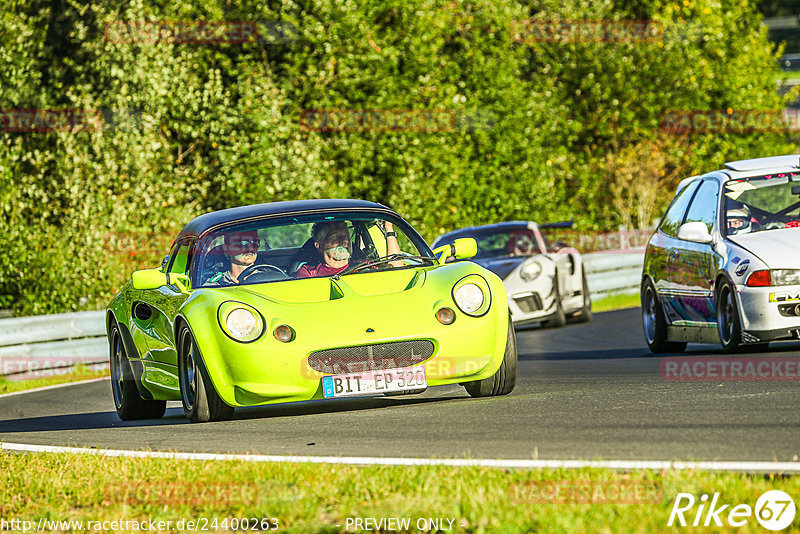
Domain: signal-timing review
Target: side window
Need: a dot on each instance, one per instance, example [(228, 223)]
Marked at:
[(179, 260), (704, 205), (674, 215)]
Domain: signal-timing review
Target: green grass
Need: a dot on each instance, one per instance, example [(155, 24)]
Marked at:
[(616, 302), (318, 497), (79, 372)]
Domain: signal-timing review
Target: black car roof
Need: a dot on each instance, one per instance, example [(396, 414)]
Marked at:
[(472, 230), (199, 225)]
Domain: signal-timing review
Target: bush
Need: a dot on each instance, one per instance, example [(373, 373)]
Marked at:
[(535, 130)]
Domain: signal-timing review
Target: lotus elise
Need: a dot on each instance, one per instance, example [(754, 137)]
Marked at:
[(305, 300)]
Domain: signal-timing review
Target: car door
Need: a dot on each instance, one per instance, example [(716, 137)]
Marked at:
[(157, 310), (694, 264), (664, 250)]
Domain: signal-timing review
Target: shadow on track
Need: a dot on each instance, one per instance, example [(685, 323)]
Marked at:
[(614, 335), (175, 416)]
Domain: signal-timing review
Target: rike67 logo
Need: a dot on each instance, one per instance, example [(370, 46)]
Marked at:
[(774, 510)]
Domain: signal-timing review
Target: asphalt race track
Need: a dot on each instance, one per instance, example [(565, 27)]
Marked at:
[(590, 391)]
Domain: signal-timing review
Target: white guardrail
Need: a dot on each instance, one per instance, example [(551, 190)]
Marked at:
[(50, 344), (613, 272)]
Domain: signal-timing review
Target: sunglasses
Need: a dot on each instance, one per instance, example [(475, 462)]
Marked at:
[(245, 243)]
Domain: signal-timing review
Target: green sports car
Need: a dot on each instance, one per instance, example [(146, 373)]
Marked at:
[(304, 300)]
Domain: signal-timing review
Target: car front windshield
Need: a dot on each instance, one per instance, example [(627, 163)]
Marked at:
[(762, 203), (504, 242), (308, 246)]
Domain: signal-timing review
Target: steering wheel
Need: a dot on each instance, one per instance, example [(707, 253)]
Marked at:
[(263, 268)]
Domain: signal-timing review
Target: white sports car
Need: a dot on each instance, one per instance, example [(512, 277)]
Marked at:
[(545, 284), (724, 264)]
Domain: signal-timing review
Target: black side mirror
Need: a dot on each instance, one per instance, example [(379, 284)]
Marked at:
[(796, 190)]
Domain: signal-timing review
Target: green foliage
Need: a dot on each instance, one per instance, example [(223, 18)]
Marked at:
[(538, 130)]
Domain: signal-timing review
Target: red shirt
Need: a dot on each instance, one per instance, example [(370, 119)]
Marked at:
[(320, 270)]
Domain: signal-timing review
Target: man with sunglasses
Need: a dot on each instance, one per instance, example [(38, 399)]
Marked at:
[(242, 250)]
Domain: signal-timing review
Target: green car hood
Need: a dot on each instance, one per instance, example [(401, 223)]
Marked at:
[(310, 290)]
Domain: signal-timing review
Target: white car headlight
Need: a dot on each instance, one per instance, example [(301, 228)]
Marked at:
[(530, 271), (243, 325), (785, 277), (469, 298)]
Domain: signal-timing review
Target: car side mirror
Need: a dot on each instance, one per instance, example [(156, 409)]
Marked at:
[(696, 232), (181, 281), (460, 249), (148, 279)]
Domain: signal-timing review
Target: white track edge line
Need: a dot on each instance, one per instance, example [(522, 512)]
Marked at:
[(773, 467), (54, 386)]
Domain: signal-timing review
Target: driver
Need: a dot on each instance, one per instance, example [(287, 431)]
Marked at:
[(738, 220), (332, 241), (241, 249)]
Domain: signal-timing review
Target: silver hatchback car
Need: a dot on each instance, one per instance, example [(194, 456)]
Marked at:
[(724, 264)]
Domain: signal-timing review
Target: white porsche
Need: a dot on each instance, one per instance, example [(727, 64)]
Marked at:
[(545, 283)]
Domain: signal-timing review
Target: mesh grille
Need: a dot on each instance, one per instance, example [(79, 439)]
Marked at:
[(371, 357), (529, 303)]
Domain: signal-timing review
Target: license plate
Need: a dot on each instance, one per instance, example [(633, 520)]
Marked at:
[(374, 382)]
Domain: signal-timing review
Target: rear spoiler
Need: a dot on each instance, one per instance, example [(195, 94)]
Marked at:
[(562, 224)]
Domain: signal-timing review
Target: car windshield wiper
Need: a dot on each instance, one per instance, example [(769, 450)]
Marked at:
[(383, 259)]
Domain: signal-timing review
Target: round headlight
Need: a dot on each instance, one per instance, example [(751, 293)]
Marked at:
[(469, 298), (243, 325), (530, 271)]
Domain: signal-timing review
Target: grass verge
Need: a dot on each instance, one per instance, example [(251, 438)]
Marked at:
[(321, 497), (616, 302), (73, 374)]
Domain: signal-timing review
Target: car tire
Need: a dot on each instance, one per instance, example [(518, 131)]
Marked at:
[(201, 403), (559, 318), (728, 325), (585, 314), (654, 323), (129, 404), (504, 380)]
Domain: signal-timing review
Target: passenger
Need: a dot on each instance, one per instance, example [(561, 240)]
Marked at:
[(332, 241)]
